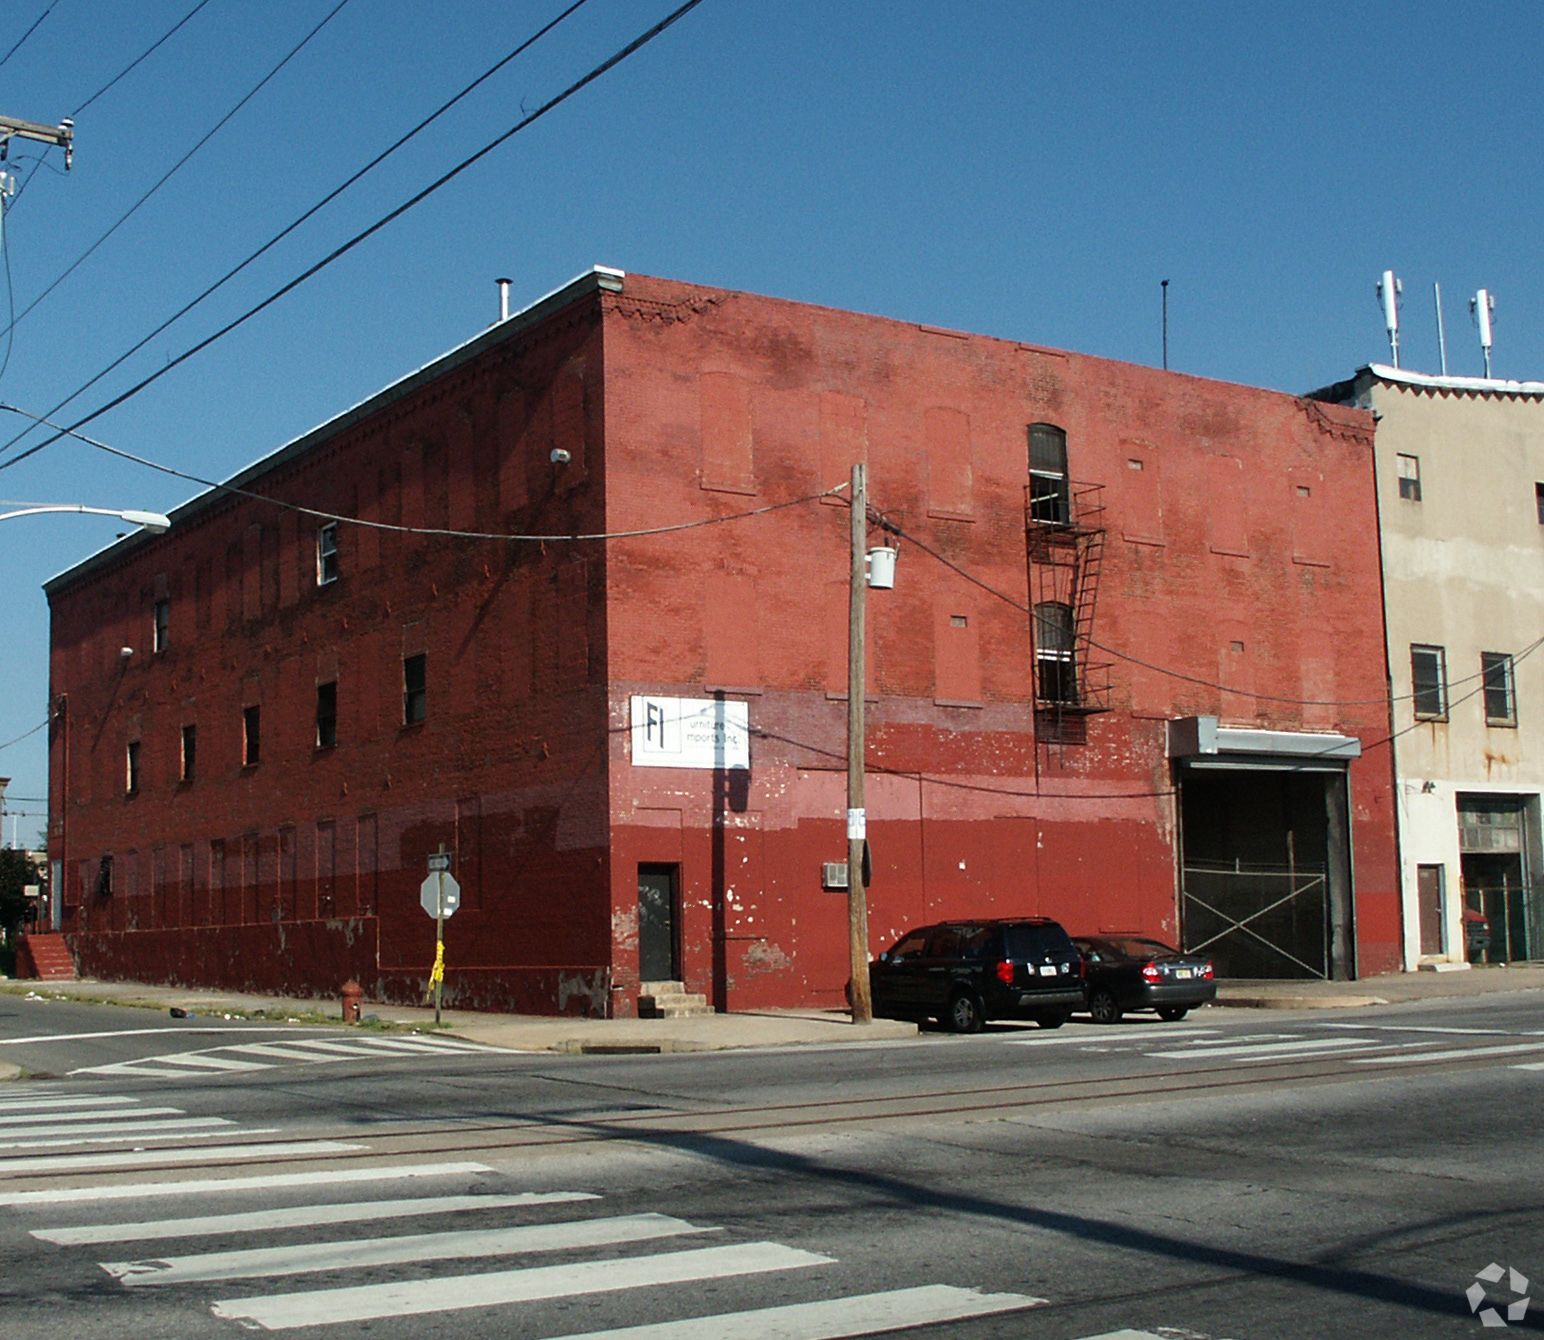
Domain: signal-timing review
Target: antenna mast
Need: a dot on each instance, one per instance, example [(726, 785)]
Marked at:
[(1441, 338)]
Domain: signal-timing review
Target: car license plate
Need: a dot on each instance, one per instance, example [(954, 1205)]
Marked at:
[(1184, 974), (1048, 970)]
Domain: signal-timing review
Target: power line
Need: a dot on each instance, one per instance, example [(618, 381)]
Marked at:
[(1180, 674), (142, 55), (23, 736), (441, 531), (29, 32), (636, 44), (320, 204), (171, 171)]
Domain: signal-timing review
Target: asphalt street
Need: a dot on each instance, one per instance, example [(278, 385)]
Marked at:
[(1243, 1175)]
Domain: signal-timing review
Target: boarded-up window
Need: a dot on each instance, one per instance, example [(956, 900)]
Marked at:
[(843, 440), (514, 492), (727, 462), (366, 867), (1140, 494), (946, 435), (729, 631), (1226, 515), (956, 651), (568, 427), (1309, 509), (574, 619)]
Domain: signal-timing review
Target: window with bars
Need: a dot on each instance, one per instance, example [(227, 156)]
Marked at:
[(1428, 679), (1500, 693)]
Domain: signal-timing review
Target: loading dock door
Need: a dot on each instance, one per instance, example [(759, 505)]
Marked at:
[(1265, 870)]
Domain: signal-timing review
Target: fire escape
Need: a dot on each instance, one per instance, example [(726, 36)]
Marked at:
[(1064, 525)]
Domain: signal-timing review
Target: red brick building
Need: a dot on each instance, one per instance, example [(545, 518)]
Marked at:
[(264, 721)]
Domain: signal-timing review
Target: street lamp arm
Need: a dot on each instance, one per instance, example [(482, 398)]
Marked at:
[(154, 522)]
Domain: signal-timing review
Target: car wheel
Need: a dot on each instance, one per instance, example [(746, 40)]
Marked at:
[(1103, 1007), (1052, 1018), (963, 1014), (1172, 1014)]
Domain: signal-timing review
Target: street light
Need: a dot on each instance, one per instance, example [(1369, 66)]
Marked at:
[(153, 522)]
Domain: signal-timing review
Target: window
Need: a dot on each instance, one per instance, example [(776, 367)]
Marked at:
[(1538, 501), (327, 554), (131, 780), (189, 751), (1049, 498), (1500, 696), (1054, 652), (160, 623), (415, 692), (1428, 679), (251, 736), (1409, 477), (326, 715)]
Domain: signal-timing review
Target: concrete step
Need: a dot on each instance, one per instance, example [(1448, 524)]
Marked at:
[(46, 957), (670, 1000)]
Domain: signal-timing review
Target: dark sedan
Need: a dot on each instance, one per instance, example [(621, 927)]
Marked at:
[(1130, 972)]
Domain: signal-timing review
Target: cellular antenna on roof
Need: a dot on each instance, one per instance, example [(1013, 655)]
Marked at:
[(1389, 290), (1483, 304)]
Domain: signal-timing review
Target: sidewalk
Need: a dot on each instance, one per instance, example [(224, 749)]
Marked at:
[(769, 1028)]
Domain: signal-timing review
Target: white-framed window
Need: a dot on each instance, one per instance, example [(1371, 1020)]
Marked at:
[(1428, 682), (327, 554), (1409, 477)]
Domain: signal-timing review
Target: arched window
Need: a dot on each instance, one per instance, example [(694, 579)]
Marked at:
[(1055, 652), (1049, 495)]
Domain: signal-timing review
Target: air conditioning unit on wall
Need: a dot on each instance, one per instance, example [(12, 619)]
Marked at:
[(833, 875)]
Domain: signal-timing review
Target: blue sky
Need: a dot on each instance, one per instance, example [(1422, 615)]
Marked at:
[(1021, 169)]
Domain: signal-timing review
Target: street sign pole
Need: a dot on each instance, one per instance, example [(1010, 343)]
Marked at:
[(439, 895), (439, 938)]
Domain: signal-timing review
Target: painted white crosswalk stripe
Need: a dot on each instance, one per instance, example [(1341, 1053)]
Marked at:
[(1105, 1036), (60, 1102), (834, 1318), (221, 1186), (298, 1216), (34, 1137), (141, 1158), (56, 1119), (369, 1302), (1265, 1050), (312, 1257), (238, 1057), (1452, 1054)]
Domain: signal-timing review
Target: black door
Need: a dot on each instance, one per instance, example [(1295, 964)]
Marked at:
[(659, 958)]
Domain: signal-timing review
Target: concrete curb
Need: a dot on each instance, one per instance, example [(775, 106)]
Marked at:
[(9, 1071), (1300, 1002)]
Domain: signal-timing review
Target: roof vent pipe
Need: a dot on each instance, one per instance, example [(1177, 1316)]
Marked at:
[(503, 297)]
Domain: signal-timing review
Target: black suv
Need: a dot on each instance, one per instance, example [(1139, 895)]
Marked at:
[(965, 972)]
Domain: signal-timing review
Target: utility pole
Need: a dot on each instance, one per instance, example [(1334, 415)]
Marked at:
[(62, 135), (857, 827)]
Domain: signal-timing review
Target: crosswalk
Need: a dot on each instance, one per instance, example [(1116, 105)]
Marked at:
[(1359, 1044), (432, 1238), (244, 1057)]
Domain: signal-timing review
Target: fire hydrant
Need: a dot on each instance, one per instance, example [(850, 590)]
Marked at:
[(353, 993)]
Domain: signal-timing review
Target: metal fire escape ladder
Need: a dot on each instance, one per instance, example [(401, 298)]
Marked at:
[(1066, 554)]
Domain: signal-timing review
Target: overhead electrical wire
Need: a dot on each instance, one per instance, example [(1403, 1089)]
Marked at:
[(148, 51), (171, 171), (1166, 670), (320, 204), (636, 44), (53, 6), (441, 531), (23, 736)]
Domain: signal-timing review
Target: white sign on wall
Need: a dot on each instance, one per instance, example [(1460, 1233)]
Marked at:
[(690, 733)]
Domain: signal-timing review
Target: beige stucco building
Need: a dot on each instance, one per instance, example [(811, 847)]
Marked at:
[(1460, 465)]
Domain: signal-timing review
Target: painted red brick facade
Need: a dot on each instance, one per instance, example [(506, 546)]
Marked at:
[(1239, 548)]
